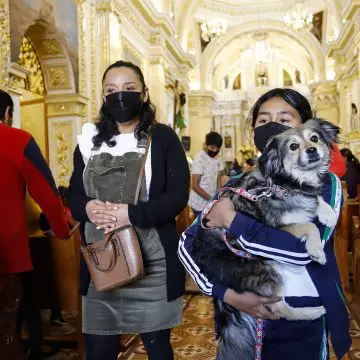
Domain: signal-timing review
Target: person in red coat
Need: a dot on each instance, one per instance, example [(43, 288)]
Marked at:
[(22, 167), (337, 164)]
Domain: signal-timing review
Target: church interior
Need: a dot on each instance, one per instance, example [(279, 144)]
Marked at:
[(205, 63)]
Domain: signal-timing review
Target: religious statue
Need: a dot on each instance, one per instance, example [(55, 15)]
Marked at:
[(226, 82), (297, 77), (237, 83), (180, 121), (227, 141), (354, 118)]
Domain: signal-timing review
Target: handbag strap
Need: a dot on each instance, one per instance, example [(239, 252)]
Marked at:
[(142, 168)]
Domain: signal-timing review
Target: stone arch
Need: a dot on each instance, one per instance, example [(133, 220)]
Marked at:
[(305, 39), (56, 60)]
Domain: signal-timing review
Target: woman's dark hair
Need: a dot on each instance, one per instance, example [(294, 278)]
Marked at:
[(5, 101), (353, 107), (292, 97), (350, 157), (107, 125)]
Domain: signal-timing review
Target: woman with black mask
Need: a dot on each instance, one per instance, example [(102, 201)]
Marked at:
[(101, 195), (307, 282)]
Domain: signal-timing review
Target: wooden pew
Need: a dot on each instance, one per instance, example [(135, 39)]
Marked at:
[(341, 241), (355, 263)]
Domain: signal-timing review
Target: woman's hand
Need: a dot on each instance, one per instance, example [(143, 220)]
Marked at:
[(251, 304), (222, 214), (94, 210), (119, 212)]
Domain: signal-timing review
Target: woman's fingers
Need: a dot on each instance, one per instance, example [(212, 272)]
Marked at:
[(104, 217)]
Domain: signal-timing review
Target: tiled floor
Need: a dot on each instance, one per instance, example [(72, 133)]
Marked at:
[(194, 339)]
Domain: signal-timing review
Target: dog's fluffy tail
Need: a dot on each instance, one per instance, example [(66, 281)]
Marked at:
[(238, 336)]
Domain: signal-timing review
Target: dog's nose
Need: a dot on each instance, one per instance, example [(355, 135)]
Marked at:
[(311, 151)]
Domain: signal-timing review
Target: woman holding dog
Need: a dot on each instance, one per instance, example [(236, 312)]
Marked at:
[(102, 188), (273, 113)]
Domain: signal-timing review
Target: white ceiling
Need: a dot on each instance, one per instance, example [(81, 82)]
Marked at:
[(238, 11)]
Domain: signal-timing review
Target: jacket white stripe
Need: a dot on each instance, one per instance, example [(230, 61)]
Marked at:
[(270, 249), (274, 257), (194, 271)]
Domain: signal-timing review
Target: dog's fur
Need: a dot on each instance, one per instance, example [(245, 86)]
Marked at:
[(299, 169)]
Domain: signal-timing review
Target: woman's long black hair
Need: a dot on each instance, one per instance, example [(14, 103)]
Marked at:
[(350, 157), (107, 126), (292, 97)]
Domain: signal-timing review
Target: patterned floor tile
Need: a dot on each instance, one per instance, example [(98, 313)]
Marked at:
[(195, 340)]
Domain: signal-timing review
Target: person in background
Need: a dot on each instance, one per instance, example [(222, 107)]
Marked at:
[(249, 165), (22, 167), (236, 169), (206, 173), (58, 325), (352, 176)]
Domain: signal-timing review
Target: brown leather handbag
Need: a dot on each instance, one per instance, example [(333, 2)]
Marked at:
[(116, 260)]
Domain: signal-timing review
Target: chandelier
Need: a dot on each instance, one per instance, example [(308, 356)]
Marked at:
[(211, 29), (260, 51), (299, 18)]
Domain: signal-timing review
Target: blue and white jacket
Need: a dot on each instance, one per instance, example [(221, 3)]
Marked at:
[(307, 283)]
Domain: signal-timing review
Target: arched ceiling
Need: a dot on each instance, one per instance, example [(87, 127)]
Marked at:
[(229, 59), (309, 47)]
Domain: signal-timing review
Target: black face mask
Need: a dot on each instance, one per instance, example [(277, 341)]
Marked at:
[(212, 153), (124, 106), (262, 134)]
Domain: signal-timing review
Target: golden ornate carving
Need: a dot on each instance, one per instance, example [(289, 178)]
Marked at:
[(93, 62), (29, 60), (58, 77), (4, 44), (124, 11), (62, 150), (50, 48), (156, 39), (17, 82), (104, 5), (60, 108), (82, 53)]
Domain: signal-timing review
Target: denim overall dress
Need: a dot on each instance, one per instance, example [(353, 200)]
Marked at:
[(142, 305)]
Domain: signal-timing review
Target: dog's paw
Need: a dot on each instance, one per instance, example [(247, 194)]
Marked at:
[(329, 218), (326, 213), (316, 252)]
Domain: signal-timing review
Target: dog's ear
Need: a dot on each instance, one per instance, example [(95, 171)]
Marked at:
[(269, 161), (328, 131)]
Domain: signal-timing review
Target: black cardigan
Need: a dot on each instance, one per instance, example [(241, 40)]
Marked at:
[(169, 192)]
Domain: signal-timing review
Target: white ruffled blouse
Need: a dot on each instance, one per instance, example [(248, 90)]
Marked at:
[(124, 143)]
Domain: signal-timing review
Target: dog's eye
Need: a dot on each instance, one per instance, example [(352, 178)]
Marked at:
[(314, 139), (294, 146)]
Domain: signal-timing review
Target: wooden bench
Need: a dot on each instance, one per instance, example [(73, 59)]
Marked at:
[(355, 259)]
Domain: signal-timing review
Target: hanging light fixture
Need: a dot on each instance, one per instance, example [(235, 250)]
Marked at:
[(260, 51), (212, 29), (299, 18)]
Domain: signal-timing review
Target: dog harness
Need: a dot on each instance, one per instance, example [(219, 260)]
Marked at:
[(250, 195)]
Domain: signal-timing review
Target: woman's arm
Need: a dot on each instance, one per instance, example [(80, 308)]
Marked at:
[(259, 239), (77, 198), (169, 204), (250, 303)]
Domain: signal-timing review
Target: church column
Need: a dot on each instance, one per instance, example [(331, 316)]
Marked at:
[(65, 116), (326, 101), (156, 81), (200, 118), (4, 43)]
